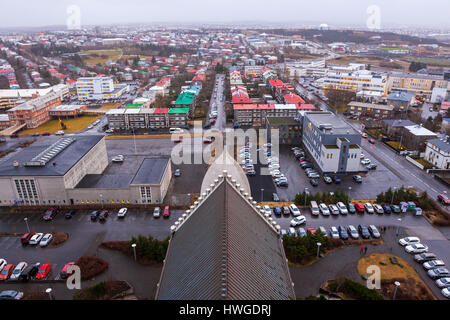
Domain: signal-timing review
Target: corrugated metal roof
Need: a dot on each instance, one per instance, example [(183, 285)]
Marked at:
[(225, 249)]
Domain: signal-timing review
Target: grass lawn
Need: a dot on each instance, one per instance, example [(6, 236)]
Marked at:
[(108, 106), (72, 125), (112, 54), (431, 61), (411, 285), (396, 145)]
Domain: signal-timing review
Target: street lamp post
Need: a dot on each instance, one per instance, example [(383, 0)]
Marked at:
[(397, 284), (49, 292), (398, 227), (393, 193), (306, 193), (26, 222), (318, 248), (262, 195), (134, 250)]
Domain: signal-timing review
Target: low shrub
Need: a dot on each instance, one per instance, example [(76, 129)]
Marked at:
[(91, 266)]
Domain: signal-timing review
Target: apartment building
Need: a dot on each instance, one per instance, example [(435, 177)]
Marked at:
[(98, 88), (437, 152), (422, 84), (10, 98), (333, 145), (256, 114)]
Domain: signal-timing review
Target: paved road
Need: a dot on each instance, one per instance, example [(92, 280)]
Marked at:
[(217, 104)]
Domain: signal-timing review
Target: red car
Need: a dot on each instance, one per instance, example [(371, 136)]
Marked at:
[(26, 237), (443, 199), (178, 140), (46, 134), (312, 230), (63, 274), (166, 212), (44, 270), (212, 121), (359, 207), (372, 141), (14, 135), (6, 271), (50, 214)]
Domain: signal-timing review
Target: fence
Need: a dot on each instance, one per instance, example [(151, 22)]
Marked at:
[(414, 162)]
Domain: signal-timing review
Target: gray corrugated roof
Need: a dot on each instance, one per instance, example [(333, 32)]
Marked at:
[(65, 160), (225, 250), (151, 171), (444, 145)]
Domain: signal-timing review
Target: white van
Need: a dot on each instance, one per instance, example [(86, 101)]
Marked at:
[(314, 208), (175, 130)]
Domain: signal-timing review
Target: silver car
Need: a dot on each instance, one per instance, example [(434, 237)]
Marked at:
[(334, 233), (18, 270)]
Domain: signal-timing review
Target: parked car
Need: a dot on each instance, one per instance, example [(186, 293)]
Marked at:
[(156, 212), (283, 232), (324, 209), (11, 295), (433, 264), (301, 232), (408, 240), (378, 209), (291, 232), (442, 198), (443, 282), (50, 214), (374, 231), (323, 231), (416, 248), (327, 179), (44, 270), (386, 208), (360, 207), (336, 179), (357, 178), (277, 210), (314, 182), (294, 210), (286, 210), (275, 197), (18, 270), (369, 208), (364, 231), (46, 239), (69, 214), (314, 208), (351, 207), (446, 292), (334, 210), (122, 213), (103, 215), (177, 173), (343, 233), (365, 161), (424, 257), (118, 158), (29, 272), (395, 208), (342, 208), (26, 237), (334, 233), (36, 238), (438, 273), (311, 230), (64, 271), (267, 210), (353, 232), (372, 141), (7, 271), (298, 221), (166, 212)]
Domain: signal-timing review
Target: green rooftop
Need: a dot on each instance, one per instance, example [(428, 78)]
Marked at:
[(178, 110), (133, 106), (185, 97)]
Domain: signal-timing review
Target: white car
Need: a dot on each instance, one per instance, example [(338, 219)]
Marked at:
[(324, 231), (433, 264), (342, 208), (3, 263), (298, 221), (294, 210), (118, 158), (365, 161), (59, 133), (46, 240), (122, 212), (443, 282), (446, 292), (334, 233), (324, 209), (36, 238), (18, 270), (362, 156), (353, 232), (157, 212), (109, 130), (378, 208), (291, 232), (416, 248), (333, 209), (267, 210), (369, 207), (408, 240)]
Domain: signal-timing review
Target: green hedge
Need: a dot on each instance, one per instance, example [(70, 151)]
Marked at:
[(359, 291), (406, 195), (326, 197), (150, 248), (300, 248)]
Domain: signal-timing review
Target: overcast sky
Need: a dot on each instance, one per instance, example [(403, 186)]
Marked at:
[(433, 13)]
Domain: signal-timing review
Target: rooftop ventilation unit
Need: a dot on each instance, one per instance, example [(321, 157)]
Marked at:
[(45, 156)]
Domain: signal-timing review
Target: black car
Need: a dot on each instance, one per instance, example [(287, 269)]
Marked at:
[(275, 197), (69, 214), (343, 233), (357, 179), (351, 207), (29, 272), (364, 231), (94, 215), (103, 215), (386, 208), (336, 180), (314, 182)]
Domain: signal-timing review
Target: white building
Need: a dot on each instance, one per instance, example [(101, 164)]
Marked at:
[(437, 152), (98, 88)]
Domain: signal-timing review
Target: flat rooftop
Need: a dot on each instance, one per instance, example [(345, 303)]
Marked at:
[(327, 118), (106, 181), (282, 121), (59, 165), (151, 171)]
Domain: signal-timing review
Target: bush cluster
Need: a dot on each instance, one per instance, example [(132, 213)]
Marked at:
[(326, 197), (91, 266), (150, 248), (406, 195), (300, 249)]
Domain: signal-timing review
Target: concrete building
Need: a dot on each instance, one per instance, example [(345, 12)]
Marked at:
[(72, 171), (400, 100), (256, 114), (10, 98), (332, 144), (98, 88), (67, 110), (421, 84), (437, 152), (415, 137), (289, 130)]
